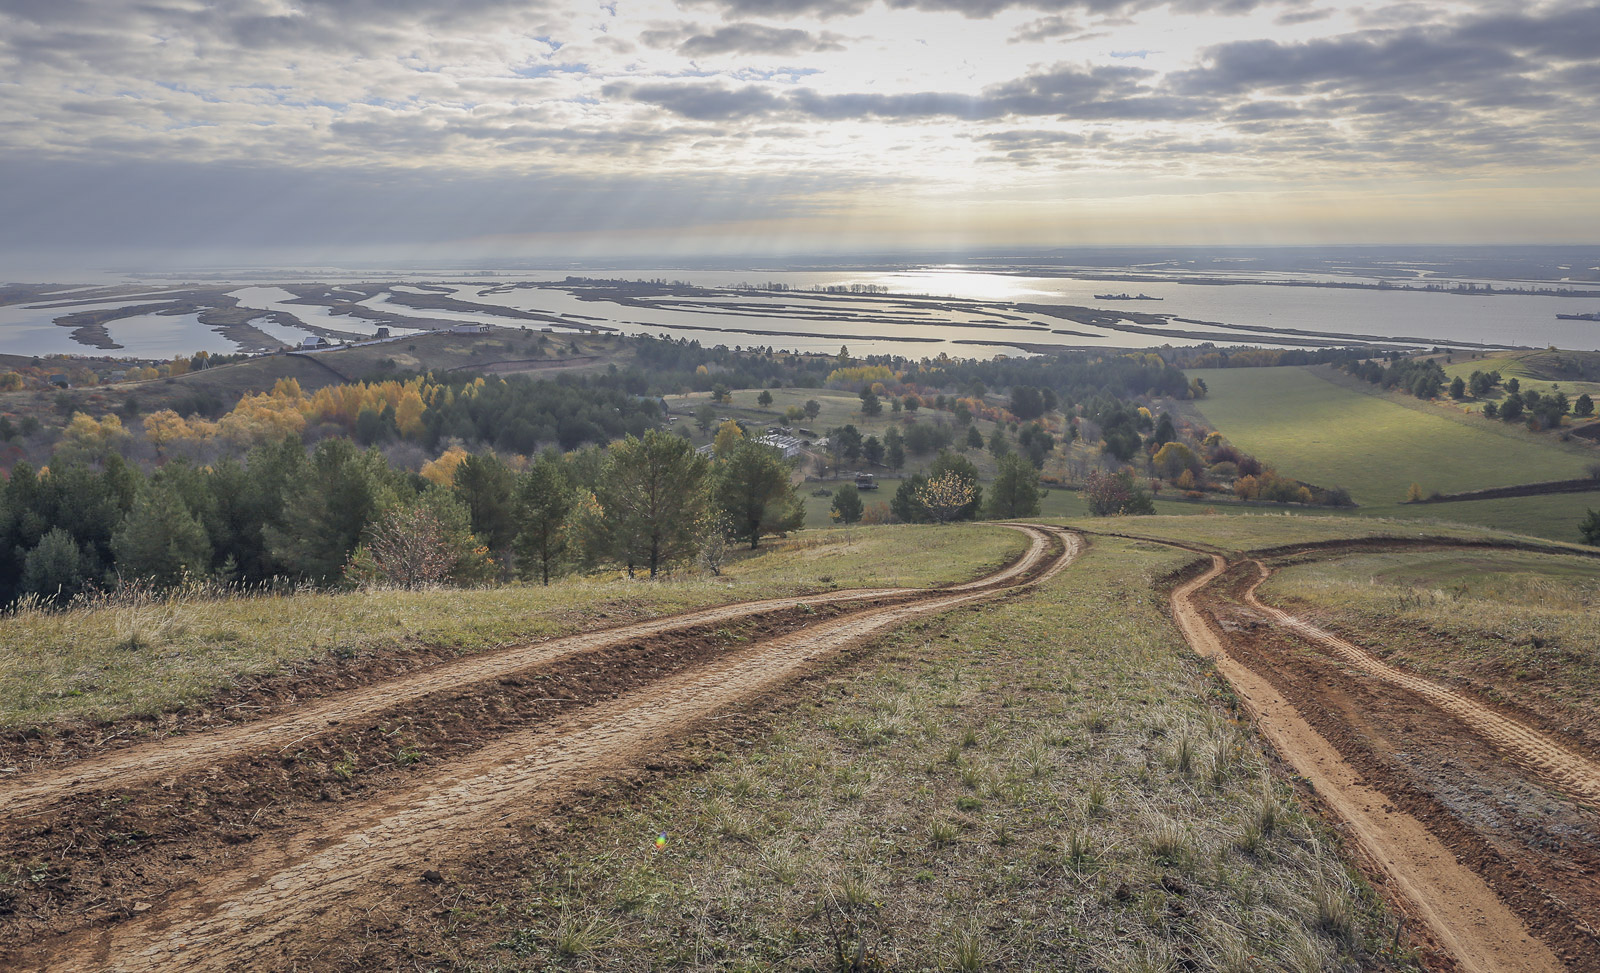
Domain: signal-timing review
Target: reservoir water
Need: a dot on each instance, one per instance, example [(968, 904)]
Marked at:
[(925, 312)]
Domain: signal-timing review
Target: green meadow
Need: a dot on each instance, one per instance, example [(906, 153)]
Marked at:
[(1317, 429)]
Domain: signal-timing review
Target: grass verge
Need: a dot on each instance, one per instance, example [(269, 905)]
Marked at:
[(1049, 782), (143, 656)]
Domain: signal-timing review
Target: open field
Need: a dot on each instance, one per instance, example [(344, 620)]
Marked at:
[(1241, 534), (1314, 429), (150, 656), (1573, 372)]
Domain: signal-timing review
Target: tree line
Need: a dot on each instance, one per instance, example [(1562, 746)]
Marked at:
[(338, 514)]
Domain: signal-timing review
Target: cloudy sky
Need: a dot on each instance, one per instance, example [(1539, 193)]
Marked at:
[(325, 130)]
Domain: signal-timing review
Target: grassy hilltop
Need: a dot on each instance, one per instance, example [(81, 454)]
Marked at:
[(1051, 780)]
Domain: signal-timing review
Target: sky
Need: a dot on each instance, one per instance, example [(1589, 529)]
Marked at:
[(172, 133)]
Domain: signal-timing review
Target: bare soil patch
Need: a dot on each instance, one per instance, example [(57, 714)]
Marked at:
[(1478, 781)]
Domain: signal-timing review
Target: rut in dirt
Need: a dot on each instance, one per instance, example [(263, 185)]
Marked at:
[(1421, 859), (171, 756), (285, 890), (1569, 771)]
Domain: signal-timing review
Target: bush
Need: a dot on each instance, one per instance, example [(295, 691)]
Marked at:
[(1114, 494)]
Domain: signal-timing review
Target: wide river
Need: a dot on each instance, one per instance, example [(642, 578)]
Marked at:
[(1259, 312)]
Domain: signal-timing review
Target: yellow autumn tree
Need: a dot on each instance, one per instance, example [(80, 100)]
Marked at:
[(87, 439), (262, 418), (408, 412), (164, 427), (729, 436), (443, 470)]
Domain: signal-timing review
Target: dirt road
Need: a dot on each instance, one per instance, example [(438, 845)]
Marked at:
[(1438, 860), (1570, 771), (264, 903)]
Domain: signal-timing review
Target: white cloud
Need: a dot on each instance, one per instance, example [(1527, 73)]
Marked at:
[(951, 101)]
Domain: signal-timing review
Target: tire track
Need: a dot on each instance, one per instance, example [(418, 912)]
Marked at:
[(170, 756), (1573, 773), (284, 885), (1464, 914)]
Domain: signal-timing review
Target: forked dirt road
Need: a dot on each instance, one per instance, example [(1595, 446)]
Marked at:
[(1481, 931), (263, 904)]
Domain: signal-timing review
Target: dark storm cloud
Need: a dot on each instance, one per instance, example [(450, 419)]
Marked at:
[(1413, 59), (1572, 34), (756, 39), (1107, 92), (1466, 58)]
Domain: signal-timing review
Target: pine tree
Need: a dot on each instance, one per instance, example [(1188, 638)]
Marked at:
[(161, 540), (56, 568), (1015, 492), (544, 502), (327, 504), (752, 488), (485, 485), (653, 496), (847, 507)]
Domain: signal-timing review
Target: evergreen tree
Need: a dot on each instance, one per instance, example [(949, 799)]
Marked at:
[(894, 449), (998, 446), (327, 504), (1036, 443), (485, 484), (544, 502), (1015, 492), (56, 568), (764, 399), (906, 504), (652, 497), (1026, 402), (870, 405), (161, 540), (1165, 431), (1589, 528), (847, 507), (752, 489)]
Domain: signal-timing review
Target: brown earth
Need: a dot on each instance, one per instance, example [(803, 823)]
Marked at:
[(256, 846), (1481, 827)]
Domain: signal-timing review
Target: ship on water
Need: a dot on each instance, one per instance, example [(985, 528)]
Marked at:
[(1591, 316), (1127, 297)]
